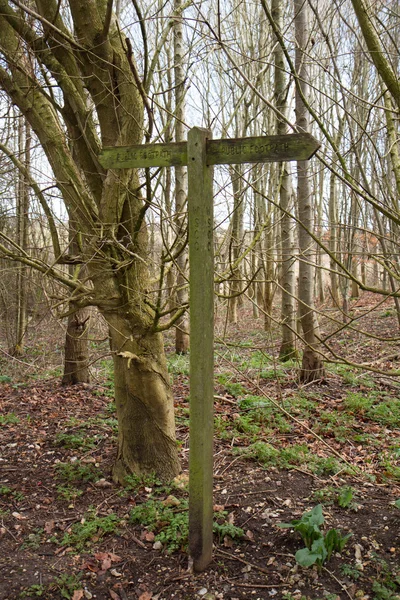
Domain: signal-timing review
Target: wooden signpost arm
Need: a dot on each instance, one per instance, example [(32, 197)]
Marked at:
[(201, 261), (267, 148)]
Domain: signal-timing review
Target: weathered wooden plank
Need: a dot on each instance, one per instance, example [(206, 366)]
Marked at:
[(201, 260), (269, 148), (145, 155)]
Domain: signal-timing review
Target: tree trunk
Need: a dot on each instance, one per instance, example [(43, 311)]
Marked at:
[(235, 244), (182, 324), (333, 224), (312, 366), (24, 146), (287, 349), (76, 355), (144, 402)]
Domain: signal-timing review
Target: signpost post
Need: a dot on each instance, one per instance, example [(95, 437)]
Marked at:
[(200, 153)]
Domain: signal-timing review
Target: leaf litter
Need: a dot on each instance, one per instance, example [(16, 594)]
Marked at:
[(267, 470)]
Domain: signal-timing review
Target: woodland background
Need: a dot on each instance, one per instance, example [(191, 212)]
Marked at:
[(94, 298)]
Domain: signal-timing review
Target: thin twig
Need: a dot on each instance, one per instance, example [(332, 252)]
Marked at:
[(338, 582), (245, 562)]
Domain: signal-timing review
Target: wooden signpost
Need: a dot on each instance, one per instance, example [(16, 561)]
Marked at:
[(199, 154)]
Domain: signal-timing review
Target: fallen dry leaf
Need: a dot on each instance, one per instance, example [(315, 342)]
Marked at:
[(103, 483), (18, 516), (146, 596), (171, 501), (114, 595), (49, 526), (106, 564), (77, 595), (228, 541), (115, 573)]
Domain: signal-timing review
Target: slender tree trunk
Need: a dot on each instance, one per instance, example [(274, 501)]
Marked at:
[(76, 349), (269, 274), (24, 146), (319, 259), (182, 324), (312, 366), (333, 225), (287, 349), (76, 355), (235, 244)]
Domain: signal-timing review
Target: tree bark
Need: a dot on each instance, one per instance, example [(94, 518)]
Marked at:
[(21, 321), (287, 349), (312, 366), (182, 324), (236, 241), (76, 356)]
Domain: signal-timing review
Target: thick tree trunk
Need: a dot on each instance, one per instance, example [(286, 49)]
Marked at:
[(144, 402)]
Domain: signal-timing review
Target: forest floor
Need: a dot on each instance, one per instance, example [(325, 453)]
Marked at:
[(67, 531)]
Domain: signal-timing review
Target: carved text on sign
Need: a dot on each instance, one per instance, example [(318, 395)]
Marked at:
[(273, 148), (143, 155)]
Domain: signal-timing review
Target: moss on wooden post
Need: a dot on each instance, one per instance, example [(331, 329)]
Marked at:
[(201, 260)]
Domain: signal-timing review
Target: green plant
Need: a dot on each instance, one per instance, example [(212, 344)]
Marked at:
[(68, 493), (111, 408), (34, 539), (135, 482), (319, 547), (5, 379), (170, 523), (382, 592), (67, 584), (178, 364), (345, 497), (34, 590), (76, 471), (387, 583), (183, 416), (350, 571), (90, 529), (6, 491), (234, 388), (9, 419), (386, 313), (78, 440), (223, 529), (386, 412)]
